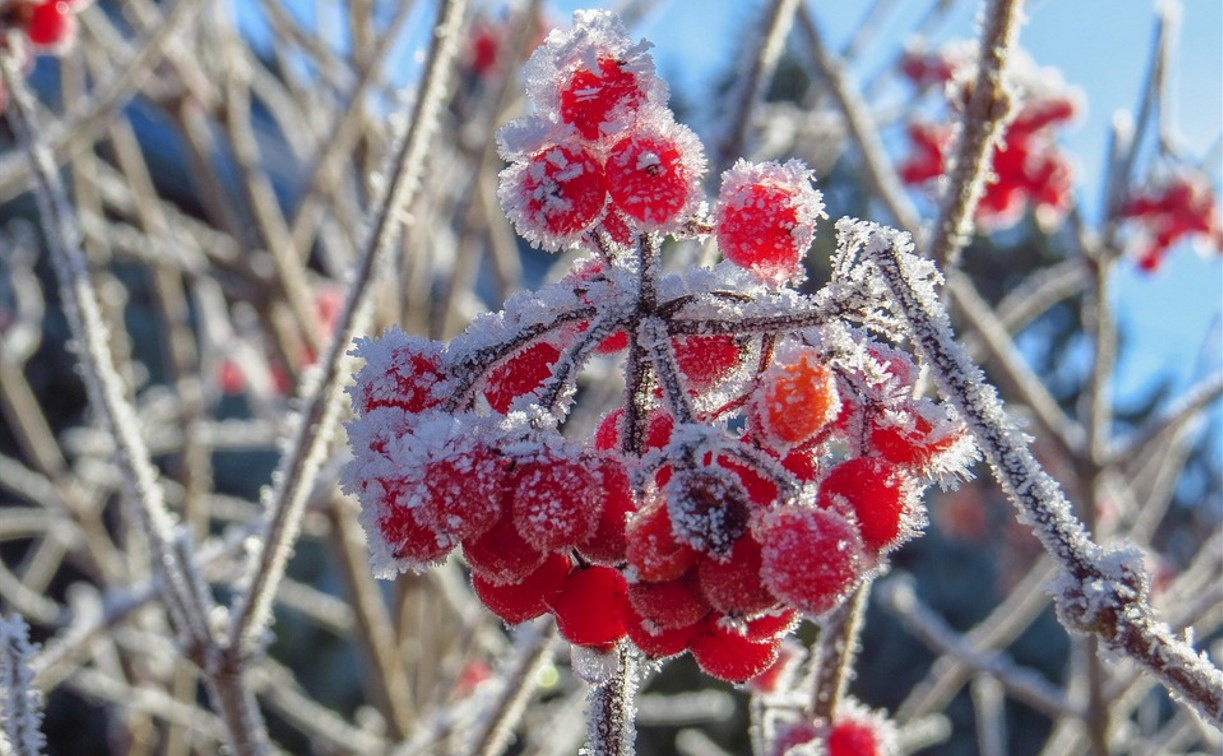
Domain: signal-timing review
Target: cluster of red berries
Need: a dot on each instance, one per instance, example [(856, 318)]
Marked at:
[(1181, 206), (1029, 169), (751, 474)]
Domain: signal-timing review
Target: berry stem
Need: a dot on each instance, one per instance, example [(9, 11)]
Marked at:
[(610, 728), (834, 653)]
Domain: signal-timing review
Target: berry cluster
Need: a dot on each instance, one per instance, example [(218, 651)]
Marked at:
[(766, 456), (1028, 167), (1181, 206)]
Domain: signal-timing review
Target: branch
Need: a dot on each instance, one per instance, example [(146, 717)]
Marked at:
[(1100, 592)]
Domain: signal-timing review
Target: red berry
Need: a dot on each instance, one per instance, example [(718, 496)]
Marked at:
[(400, 371), (796, 400), (708, 509), (766, 217), (462, 493), (872, 489), (520, 375), (49, 23), (408, 539), (654, 641), (769, 680), (811, 558), (704, 361), (852, 738), (671, 604), (653, 549), (555, 196), (653, 176), (733, 586), (912, 446), (557, 502), (607, 544), (726, 655), (500, 555), (525, 599), (590, 609), (594, 99)]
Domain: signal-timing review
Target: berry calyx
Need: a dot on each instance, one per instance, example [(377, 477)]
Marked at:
[(708, 509)]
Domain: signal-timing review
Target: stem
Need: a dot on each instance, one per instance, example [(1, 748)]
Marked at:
[(610, 729), (990, 108), (835, 650)]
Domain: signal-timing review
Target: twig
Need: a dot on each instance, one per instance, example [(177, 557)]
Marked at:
[(990, 107), (1103, 593)]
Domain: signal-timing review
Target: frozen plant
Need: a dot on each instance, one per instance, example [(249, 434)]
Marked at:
[(769, 450)]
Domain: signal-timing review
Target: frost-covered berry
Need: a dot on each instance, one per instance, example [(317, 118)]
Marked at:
[(500, 555), (555, 196), (524, 599), (653, 550), (607, 544), (725, 654), (520, 375), (793, 734), (460, 494), (603, 96), (708, 509), (654, 175), (911, 440), (400, 371), (766, 216), (705, 361), (556, 501), (415, 545), (670, 604), (797, 398), (733, 585), (874, 491), (772, 625), (859, 731), (590, 609), (811, 558)]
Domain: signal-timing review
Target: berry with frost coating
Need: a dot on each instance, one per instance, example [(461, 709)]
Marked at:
[(733, 585), (607, 543), (400, 371), (766, 217), (811, 558), (520, 375), (654, 174), (708, 508), (556, 501), (705, 361), (797, 399), (460, 494), (555, 196), (656, 642), (600, 97), (670, 604), (418, 545)]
